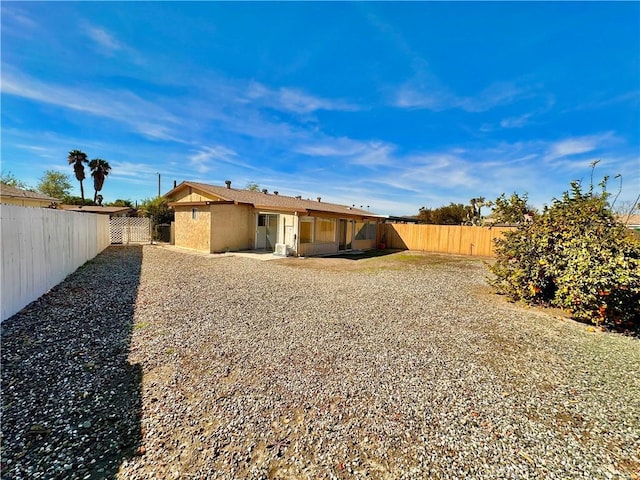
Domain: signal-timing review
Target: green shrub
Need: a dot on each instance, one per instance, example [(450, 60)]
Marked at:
[(576, 256)]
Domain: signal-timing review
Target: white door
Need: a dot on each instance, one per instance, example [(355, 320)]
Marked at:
[(267, 232)]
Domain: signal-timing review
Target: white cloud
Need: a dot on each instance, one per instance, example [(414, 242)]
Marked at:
[(363, 153), (206, 157), (516, 122), (434, 96), (569, 153), (105, 40), (292, 100), (17, 22), (572, 146), (147, 118)]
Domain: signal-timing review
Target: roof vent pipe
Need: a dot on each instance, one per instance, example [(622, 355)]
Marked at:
[(319, 198), (275, 192), (175, 184), (264, 190), (228, 183), (299, 197)]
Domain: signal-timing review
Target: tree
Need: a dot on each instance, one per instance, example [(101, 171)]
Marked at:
[(75, 200), (78, 158), (121, 203), (11, 180), (55, 184), (99, 170), (474, 210), (157, 209), (576, 256), (452, 214), (253, 186), (513, 210)]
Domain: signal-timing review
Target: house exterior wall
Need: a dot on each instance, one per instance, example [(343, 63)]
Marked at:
[(232, 227), (193, 233), (192, 195), (317, 247)]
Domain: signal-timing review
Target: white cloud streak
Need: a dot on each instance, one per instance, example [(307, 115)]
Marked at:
[(436, 97), (292, 100)]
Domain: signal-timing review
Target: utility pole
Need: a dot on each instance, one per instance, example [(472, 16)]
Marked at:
[(158, 183)]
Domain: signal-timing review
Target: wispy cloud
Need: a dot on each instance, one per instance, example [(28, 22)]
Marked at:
[(104, 40), (108, 44), (434, 96), (516, 122), (123, 106), (576, 153), (293, 100), (206, 157), (631, 98), (16, 21), (373, 153)]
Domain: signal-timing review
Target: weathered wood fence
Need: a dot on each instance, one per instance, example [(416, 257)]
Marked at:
[(454, 239), (40, 247)]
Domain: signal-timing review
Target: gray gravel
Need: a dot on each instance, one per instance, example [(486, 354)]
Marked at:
[(153, 363)]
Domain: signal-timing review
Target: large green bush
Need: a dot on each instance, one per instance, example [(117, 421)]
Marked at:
[(576, 256)]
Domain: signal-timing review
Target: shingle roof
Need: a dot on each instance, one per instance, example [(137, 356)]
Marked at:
[(271, 200), (8, 191)]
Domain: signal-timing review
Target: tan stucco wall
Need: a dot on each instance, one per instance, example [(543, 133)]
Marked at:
[(192, 195), (194, 234), (232, 228)]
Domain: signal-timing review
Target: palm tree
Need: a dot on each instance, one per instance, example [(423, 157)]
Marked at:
[(99, 171), (78, 158)]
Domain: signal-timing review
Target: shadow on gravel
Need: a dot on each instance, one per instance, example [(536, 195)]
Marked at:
[(360, 254), (71, 402)]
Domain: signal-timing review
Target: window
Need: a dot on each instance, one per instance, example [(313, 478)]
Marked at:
[(194, 214), (306, 230), (366, 230), (325, 230)]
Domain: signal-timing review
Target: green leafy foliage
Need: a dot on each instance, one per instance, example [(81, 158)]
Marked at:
[(55, 184), (121, 203), (157, 209), (576, 256), (75, 200), (11, 180), (513, 210), (452, 214)]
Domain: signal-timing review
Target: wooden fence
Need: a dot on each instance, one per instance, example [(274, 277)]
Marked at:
[(454, 239), (41, 246)]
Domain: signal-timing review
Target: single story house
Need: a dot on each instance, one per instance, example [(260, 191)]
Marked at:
[(25, 198), (214, 218)]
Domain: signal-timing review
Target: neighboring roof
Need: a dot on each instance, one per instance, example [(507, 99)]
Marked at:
[(405, 219), (95, 209), (271, 200), (13, 192), (630, 220)]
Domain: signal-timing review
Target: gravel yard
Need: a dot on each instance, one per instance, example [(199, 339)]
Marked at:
[(152, 363)]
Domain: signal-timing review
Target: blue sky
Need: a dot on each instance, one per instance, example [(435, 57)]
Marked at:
[(391, 105)]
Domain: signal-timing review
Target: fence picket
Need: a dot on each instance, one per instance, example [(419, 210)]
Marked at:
[(452, 239)]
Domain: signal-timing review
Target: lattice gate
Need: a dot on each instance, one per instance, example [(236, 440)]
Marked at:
[(126, 230)]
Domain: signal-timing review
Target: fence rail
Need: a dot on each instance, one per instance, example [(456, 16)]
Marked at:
[(453, 239), (40, 247)]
